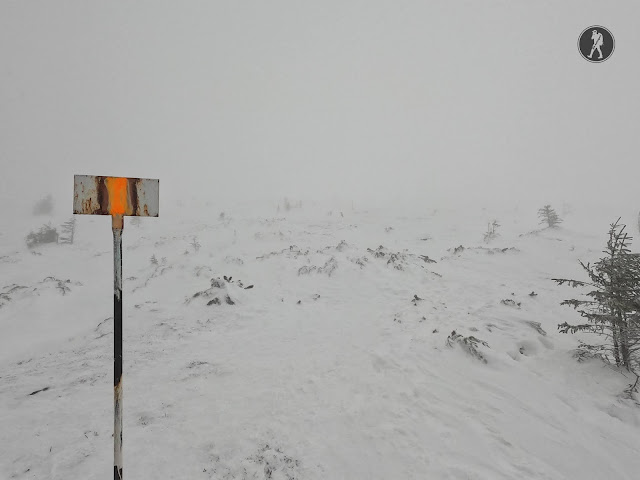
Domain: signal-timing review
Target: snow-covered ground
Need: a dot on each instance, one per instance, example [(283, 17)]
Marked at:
[(335, 365)]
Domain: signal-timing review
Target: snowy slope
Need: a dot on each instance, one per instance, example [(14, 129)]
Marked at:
[(328, 368)]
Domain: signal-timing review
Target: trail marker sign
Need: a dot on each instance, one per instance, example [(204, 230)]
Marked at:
[(118, 197)]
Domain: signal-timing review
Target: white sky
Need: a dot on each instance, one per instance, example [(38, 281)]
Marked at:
[(413, 100)]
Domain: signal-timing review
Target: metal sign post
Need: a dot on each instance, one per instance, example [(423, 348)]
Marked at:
[(117, 197)]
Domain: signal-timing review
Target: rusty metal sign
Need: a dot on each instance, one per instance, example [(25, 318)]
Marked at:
[(118, 197), (115, 196)]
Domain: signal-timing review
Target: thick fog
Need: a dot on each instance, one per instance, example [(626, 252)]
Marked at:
[(461, 102)]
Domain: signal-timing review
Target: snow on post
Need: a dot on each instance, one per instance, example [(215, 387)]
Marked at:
[(118, 197)]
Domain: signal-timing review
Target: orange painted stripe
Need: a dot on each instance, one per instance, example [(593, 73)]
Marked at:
[(117, 188)]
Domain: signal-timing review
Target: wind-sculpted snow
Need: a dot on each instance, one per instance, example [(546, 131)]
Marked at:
[(310, 348), (19, 293)]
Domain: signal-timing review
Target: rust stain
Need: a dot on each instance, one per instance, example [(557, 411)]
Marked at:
[(100, 195), (103, 196), (134, 184), (86, 206)]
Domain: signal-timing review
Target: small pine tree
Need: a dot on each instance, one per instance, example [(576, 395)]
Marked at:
[(68, 228), (549, 216), (613, 310), (154, 260), (195, 244), (492, 231)]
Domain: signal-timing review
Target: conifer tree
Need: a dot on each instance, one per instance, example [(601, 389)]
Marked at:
[(69, 229), (613, 308), (549, 216)]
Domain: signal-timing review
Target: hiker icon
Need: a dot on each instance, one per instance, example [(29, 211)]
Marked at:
[(598, 41)]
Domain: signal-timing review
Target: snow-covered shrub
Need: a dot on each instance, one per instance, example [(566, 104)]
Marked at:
[(46, 234), (61, 285), (219, 291), (510, 303), (267, 463), (469, 344), (397, 260), (378, 252), (400, 260), (360, 261), (328, 268)]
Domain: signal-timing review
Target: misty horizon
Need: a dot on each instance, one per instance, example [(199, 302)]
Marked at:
[(365, 101)]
